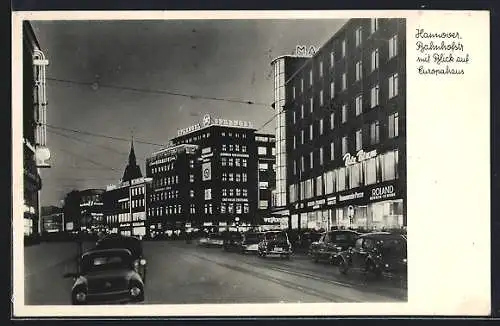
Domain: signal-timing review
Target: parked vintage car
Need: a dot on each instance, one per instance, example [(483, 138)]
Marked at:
[(232, 241), (106, 276), (376, 253), (331, 244), (250, 242), (134, 245), (275, 243)]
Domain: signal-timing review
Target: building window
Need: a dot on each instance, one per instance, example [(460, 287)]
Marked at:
[(374, 133), (344, 81), (244, 177), (231, 177), (359, 105), (332, 120), (332, 59), (231, 192), (344, 145), (302, 132), (321, 97), (224, 176), (237, 177), (263, 166), (375, 59), (208, 194), (238, 192), (294, 142), (302, 163), (191, 164), (359, 35), (230, 161), (191, 193), (224, 147), (302, 85), (359, 139), (302, 111), (343, 48), (224, 192), (311, 160), (344, 113), (311, 104), (310, 131), (321, 126), (262, 150), (244, 162), (237, 162), (310, 77), (243, 148), (354, 175), (293, 91), (341, 179), (374, 96), (244, 192), (394, 125), (223, 161), (231, 148), (393, 85), (389, 163), (237, 147), (321, 157), (295, 167), (191, 178), (359, 71), (374, 25), (294, 117), (319, 186), (332, 151), (332, 90), (370, 171), (393, 46)]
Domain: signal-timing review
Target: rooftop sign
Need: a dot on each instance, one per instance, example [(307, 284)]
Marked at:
[(209, 121)]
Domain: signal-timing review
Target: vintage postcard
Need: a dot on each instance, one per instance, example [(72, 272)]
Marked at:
[(274, 163)]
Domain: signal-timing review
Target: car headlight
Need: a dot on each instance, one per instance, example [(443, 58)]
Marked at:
[(81, 296), (135, 291)]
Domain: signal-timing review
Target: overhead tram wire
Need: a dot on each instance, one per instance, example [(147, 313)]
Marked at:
[(90, 143), (158, 91), (87, 159), (103, 136)]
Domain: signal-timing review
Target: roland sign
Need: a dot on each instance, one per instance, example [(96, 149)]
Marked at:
[(383, 192)]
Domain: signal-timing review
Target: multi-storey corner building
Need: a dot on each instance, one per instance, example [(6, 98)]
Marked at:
[(174, 198), (341, 117)]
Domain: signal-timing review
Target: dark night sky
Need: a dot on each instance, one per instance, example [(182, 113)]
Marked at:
[(215, 58)]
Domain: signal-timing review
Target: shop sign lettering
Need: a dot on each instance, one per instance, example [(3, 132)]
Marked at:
[(354, 195), (360, 157), (382, 192)]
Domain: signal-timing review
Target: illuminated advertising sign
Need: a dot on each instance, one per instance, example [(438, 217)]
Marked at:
[(209, 121), (206, 169)]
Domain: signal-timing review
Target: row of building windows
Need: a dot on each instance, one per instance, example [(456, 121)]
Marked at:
[(236, 161), (164, 195), (393, 91), (377, 169), (166, 181), (124, 218), (234, 134), (163, 168), (373, 130), (236, 192), (165, 210), (237, 177), (263, 150), (265, 139), (234, 208), (195, 138), (138, 202), (234, 148), (137, 191)]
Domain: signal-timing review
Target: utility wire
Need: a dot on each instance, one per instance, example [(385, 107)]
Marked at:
[(102, 136), (87, 159), (157, 91), (90, 143)]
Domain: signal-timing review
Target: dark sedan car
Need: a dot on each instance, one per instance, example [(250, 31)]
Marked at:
[(275, 243), (232, 241), (250, 242), (134, 245), (376, 253), (106, 276), (331, 244)]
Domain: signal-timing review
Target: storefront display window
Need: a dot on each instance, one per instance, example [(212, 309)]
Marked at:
[(389, 166), (319, 186), (341, 179), (354, 175), (370, 169)]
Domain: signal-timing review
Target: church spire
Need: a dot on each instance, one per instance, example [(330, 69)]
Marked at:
[(132, 170)]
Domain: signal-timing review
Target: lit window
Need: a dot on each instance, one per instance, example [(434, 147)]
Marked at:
[(302, 163), (359, 105), (393, 85), (332, 59), (370, 171), (321, 157), (344, 113), (294, 142), (302, 85), (332, 90), (311, 160), (344, 145), (359, 71), (354, 175), (244, 177), (359, 139), (344, 81), (375, 59), (389, 163), (321, 68), (332, 151), (393, 46), (310, 77), (374, 96), (293, 92), (332, 120), (311, 104), (321, 126), (208, 194), (311, 132), (394, 125), (302, 111), (359, 35), (321, 97), (343, 48), (374, 133), (294, 117), (341, 178), (262, 150), (374, 25)]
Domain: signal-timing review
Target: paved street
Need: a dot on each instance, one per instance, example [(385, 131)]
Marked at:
[(185, 273)]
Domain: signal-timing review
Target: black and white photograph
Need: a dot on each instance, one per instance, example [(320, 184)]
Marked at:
[(219, 161), (174, 162)]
